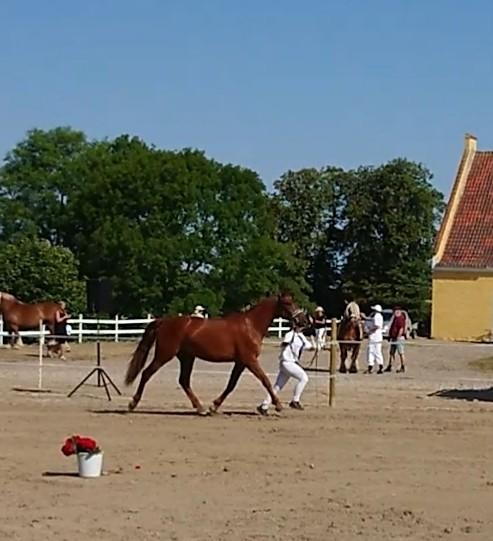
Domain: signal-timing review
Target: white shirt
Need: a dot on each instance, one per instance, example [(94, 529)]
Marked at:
[(293, 345), (377, 334)]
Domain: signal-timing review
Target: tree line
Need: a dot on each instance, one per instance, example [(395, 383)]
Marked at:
[(176, 228)]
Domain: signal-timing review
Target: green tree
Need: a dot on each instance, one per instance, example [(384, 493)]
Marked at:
[(307, 205), (391, 214), (36, 181), (170, 228), (34, 270)]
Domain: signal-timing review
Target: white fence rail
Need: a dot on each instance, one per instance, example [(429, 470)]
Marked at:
[(119, 327)]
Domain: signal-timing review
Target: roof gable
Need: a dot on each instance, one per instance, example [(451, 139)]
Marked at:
[(470, 241)]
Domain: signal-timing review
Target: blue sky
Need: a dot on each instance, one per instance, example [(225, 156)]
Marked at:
[(268, 84)]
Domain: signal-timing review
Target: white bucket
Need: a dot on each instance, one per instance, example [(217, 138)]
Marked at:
[(90, 465)]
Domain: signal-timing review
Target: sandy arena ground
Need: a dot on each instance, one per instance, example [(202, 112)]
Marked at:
[(389, 461)]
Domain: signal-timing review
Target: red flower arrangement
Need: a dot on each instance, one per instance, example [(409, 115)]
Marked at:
[(80, 444)]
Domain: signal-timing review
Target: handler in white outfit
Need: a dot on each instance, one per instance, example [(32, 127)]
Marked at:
[(292, 347), (375, 339)]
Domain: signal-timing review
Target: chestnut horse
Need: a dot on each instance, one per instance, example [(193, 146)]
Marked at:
[(349, 331), (18, 315), (235, 338)]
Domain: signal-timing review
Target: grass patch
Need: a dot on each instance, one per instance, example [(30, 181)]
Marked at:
[(485, 365)]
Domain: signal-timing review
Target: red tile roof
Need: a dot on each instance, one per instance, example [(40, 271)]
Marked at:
[(470, 243)]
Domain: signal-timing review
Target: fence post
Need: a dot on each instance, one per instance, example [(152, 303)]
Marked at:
[(116, 328), (279, 328), (41, 347), (333, 361), (1, 330), (80, 328)]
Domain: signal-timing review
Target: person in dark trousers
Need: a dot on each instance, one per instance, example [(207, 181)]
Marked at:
[(397, 336), (61, 318)]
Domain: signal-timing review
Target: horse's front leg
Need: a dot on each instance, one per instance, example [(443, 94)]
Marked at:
[(343, 353), (15, 339), (353, 369), (233, 380), (254, 366)]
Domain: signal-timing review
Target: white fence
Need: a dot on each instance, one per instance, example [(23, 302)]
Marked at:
[(120, 327)]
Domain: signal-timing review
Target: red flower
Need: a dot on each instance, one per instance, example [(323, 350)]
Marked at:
[(79, 444)]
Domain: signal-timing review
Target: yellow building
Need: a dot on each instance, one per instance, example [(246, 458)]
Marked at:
[(462, 301)]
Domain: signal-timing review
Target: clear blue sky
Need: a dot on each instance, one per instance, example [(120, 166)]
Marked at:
[(268, 84)]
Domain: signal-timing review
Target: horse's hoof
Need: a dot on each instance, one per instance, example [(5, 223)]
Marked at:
[(213, 409), (278, 407), (342, 370), (353, 370), (132, 405), (203, 413)]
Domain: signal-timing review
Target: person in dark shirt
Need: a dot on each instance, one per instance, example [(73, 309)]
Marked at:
[(397, 335), (61, 320)]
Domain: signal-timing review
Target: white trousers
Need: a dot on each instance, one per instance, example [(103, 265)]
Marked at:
[(287, 370), (375, 353)]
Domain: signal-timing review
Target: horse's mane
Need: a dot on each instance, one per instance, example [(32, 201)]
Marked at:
[(238, 313)]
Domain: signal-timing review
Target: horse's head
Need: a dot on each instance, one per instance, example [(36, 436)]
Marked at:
[(288, 309)]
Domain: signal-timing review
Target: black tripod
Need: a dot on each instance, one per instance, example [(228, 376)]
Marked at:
[(103, 378)]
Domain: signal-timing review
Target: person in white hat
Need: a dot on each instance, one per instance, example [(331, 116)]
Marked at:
[(320, 324), (198, 311), (375, 339)]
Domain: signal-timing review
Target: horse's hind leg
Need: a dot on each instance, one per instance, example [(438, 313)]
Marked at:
[(158, 361), (186, 366), (233, 380)]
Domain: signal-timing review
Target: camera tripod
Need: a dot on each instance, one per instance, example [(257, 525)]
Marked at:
[(103, 378)]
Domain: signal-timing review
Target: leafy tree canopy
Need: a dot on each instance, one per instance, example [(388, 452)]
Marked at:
[(171, 229), (33, 270), (367, 231)]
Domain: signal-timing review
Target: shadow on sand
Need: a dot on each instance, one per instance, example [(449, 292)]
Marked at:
[(59, 474), (483, 395), (173, 413)]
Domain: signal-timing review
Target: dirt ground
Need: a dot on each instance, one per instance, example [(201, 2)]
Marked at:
[(398, 457)]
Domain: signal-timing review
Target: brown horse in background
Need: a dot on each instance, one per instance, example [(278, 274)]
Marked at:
[(18, 315), (349, 331), (235, 338)]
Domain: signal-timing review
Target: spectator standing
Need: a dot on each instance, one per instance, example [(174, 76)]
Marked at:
[(397, 336), (375, 339)]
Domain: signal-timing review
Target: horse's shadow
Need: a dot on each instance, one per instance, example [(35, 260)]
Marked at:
[(172, 413), (483, 395)]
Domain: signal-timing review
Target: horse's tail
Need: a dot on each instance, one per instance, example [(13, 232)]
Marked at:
[(142, 351)]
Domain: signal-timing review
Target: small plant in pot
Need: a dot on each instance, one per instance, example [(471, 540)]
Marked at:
[(89, 455)]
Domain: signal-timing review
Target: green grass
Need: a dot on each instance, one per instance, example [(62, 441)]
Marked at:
[(484, 365)]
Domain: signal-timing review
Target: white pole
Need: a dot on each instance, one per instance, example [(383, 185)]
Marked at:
[(1, 330), (116, 328), (80, 328), (41, 345)]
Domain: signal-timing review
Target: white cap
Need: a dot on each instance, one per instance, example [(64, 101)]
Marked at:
[(377, 308), (199, 308), (319, 309)]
